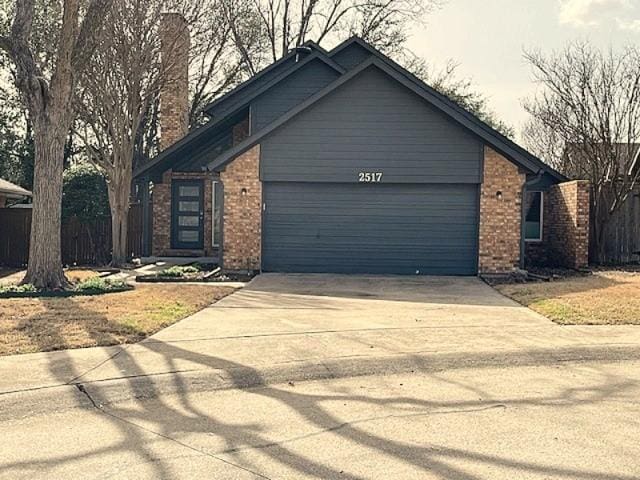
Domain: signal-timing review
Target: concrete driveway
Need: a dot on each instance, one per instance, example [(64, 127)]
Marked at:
[(298, 327), (424, 378)]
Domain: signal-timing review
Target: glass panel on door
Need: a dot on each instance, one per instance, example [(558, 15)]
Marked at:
[(187, 214)]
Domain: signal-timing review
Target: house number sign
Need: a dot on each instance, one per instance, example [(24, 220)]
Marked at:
[(370, 177)]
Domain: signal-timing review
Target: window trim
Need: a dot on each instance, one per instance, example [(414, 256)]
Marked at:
[(536, 240), (215, 242)]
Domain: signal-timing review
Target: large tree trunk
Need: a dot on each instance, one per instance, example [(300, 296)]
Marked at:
[(119, 197), (45, 259)]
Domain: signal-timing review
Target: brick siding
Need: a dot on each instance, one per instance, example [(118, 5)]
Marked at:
[(240, 131), (242, 231), (500, 214), (567, 221), (174, 94)]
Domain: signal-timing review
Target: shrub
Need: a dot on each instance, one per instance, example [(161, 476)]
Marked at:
[(100, 285), (179, 270), (84, 194), (26, 288)]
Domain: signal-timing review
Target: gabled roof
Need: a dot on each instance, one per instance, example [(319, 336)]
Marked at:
[(492, 137), (316, 51), (10, 189), (234, 103), (453, 107), (240, 104)]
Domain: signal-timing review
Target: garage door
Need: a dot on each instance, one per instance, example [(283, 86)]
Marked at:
[(370, 228)]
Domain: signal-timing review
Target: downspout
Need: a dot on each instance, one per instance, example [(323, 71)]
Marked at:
[(525, 186)]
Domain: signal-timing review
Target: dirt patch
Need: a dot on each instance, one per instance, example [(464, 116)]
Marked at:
[(13, 276), (44, 324), (605, 298)]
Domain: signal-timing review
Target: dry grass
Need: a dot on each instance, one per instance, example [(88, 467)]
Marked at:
[(44, 324), (14, 276), (605, 298)]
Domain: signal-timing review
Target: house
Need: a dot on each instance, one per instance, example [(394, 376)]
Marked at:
[(11, 193), (342, 161)]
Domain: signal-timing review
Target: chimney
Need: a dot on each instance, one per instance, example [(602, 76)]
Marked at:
[(174, 92)]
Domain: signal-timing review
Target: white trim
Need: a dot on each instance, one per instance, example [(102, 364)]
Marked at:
[(536, 240), (214, 242)]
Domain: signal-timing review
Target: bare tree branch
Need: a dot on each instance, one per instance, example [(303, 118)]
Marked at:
[(586, 120)]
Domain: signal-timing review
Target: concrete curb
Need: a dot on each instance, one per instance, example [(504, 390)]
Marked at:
[(104, 392)]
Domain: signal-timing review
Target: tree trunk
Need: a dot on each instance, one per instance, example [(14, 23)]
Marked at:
[(119, 197), (45, 258)]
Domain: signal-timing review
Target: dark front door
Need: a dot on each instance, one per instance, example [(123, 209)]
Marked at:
[(187, 218)]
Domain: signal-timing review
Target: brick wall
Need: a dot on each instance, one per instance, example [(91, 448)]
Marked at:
[(242, 212), (174, 94), (161, 243), (567, 222), (240, 131), (161, 215), (500, 214)]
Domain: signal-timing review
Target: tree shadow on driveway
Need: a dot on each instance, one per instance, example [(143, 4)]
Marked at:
[(179, 418)]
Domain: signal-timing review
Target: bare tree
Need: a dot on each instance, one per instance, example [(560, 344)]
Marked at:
[(586, 119), (458, 89), (117, 94), (46, 79), (289, 23)]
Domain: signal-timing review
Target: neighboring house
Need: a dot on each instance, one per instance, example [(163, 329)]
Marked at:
[(342, 161), (11, 194)]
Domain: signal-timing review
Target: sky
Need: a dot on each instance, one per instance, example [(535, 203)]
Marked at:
[(487, 38)]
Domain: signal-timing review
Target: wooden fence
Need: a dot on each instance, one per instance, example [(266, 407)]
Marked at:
[(622, 238), (82, 244)]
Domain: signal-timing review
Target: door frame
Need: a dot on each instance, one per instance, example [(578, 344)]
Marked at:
[(175, 228)]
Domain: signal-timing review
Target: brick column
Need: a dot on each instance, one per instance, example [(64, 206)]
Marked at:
[(174, 93), (568, 223), (242, 230), (500, 214), (161, 214)]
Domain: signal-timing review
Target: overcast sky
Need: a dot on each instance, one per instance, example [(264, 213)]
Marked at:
[(487, 38)]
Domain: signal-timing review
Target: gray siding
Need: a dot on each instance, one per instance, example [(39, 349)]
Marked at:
[(351, 56), (290, 92), (371, 228), (372, 123), (232, 102)]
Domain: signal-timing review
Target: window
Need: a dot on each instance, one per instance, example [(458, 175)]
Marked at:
[(534, 203), (217, 214)]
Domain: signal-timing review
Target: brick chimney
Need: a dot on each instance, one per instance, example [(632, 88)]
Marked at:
[(174, 93)]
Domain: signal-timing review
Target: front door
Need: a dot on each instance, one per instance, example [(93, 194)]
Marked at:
[(187, 216)]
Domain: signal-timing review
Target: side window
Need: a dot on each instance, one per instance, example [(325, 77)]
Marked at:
[(534, 205), (216, 200)]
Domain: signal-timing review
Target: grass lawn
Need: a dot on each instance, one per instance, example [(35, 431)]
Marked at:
[(604, 298), (42, 324)]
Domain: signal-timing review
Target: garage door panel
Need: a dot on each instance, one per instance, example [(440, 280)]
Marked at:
[(365, 228)]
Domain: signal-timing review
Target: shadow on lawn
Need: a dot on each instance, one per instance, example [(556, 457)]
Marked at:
[(56, 331), (135, 424), (587, 284)]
